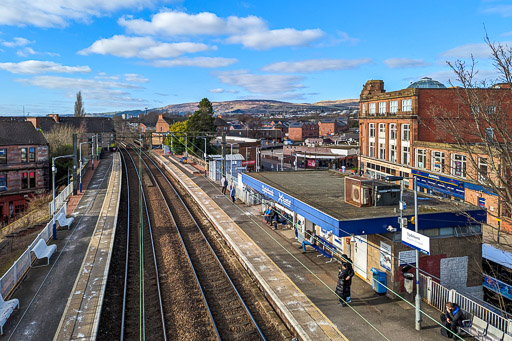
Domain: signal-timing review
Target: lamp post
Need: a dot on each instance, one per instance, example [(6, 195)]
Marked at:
[(204, 137), (417, 298), (92, 153), (80, 171), (54, 170)]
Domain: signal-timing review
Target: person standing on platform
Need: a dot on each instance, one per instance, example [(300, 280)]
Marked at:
[(233, 193), (344, 283), (224, 184)]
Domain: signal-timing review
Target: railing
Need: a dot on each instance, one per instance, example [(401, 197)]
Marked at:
[(16, 272), (63, 196), (437, 295)]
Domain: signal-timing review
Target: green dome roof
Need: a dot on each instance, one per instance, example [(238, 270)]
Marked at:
[(427, 83)]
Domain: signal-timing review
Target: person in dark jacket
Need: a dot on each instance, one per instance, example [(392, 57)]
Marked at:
[(345, 275), (232, 192), (451, 319)]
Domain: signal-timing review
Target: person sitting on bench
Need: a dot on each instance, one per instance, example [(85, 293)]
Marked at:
[(267, 215), (309, 239), (280, 219), (451, 319)]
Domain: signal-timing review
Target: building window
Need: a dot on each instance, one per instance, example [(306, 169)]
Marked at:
[(382, 107), (32, 154), (406, 105), (382, 131), (406, 132), (475, 110), (32, 179), (372, 129), (491, 110), (24, 155), (459, 165), (393, 107), (3, 182), (363, 108), (3, 156), (24, 180), (382, 151), (437, 162), (392, 153), (392, 131), (489, 134), (372, 108), (406, 155), (372, 149), (482, 169), (421, 158)]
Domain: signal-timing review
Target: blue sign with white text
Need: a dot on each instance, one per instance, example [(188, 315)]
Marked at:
[(440, 184)]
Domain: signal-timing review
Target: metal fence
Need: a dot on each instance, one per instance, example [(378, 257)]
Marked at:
[(11, 278), (437, 295)]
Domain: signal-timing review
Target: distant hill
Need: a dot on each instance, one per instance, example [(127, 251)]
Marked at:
[(251, 107)]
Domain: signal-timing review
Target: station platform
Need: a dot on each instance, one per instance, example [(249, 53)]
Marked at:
[(80, 319), (301, 286), (45, 290)]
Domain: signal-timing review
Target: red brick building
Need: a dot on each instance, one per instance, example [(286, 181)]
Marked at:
[(299, 131), (417, 132), (24, 167), (221, 126), (328, 127)]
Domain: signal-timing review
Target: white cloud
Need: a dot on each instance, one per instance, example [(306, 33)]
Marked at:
[(344, 37), (16, 42), (58, 13), (179, 23), (251, 31), (262, 84), (400, 63), (268, 39), (448, 76), (217, 91), (503, 10), (479, 50), (26, 52), (135, 78), (314, 65), (207, 62), (32, 67), (143, 47)]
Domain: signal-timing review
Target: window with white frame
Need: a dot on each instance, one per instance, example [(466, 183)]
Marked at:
[(459, 165), (382, 131), (371, 150), (407, 105), (392, 153), (406, 155), (372, 107), (382, 107), (406, 132), (437, 163), (382, 151), (491, 110), (421, 158), (393, 106), (392, 131), (482, 169), (363, 108), (371, 128), (475, 109)]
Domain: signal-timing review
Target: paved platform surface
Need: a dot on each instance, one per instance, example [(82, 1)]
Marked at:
[(44, 292), (369, 317), (81, 317)]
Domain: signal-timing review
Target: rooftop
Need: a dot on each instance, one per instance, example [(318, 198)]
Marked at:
[(427, 83), (20, 133), (324, 190)]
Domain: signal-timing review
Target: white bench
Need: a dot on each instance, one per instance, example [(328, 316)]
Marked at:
[(493, 334), (6, 309), (63, 221), (41, 250)]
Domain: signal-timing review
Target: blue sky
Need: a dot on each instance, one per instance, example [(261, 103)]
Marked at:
[(132, 54)]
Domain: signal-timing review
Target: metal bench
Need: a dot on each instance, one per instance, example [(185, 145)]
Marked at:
[(507, 337), (475, 327), (493, 334), (323, 250), (41, 250), (6, 309), (63, 221)]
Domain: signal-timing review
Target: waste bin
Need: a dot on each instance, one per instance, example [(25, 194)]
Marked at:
[(408, 281), (379, 281)]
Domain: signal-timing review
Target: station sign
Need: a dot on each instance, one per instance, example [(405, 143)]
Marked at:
[(416, 241), (439, 183), (250, 162)]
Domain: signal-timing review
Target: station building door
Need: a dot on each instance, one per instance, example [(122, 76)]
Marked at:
[(361, 256)]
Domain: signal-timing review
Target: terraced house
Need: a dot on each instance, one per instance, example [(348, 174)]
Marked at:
[(24, 168)]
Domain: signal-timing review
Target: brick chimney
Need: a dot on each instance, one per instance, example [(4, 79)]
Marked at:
[(55, 117), (35, 121), (372, 87), (160, 116)]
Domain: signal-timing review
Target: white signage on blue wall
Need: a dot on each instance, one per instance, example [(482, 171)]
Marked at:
[(416, 241), (284, 201), (267, 191)]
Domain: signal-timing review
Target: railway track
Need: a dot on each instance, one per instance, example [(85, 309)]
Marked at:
[(229, 313)]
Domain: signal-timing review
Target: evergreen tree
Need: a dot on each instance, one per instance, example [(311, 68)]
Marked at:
[(79, 106)]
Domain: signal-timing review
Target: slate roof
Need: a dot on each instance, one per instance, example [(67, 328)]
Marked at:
[(219, 122), (19, 133), (91, 125)]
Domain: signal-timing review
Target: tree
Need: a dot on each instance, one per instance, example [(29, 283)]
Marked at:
[(79, 105), (200, 123), (177, 134)]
